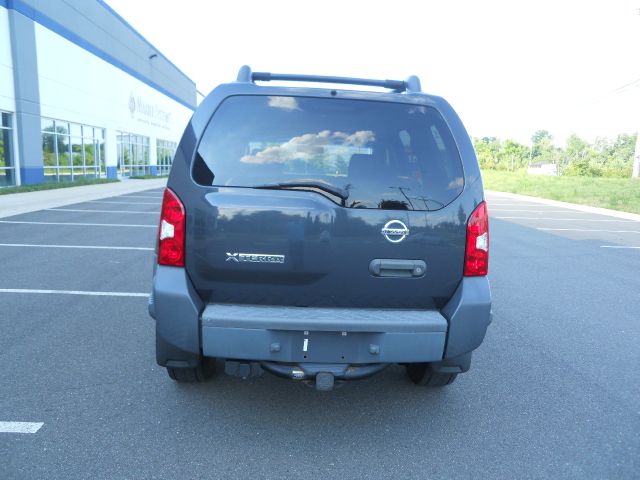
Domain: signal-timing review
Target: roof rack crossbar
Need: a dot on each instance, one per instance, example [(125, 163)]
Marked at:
[(412, 84), (267, 77)]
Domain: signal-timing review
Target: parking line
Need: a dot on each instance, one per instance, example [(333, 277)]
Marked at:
[(137, 196), (82, 224), (74, 292), (97, 247), (529, 211), (569, 219), (619, 246), (585, 230), (95, 211), (492, 204), (20, 427), (124, 203)]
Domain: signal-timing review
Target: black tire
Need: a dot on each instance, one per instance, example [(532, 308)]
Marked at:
[(423, 374), (201, 373)]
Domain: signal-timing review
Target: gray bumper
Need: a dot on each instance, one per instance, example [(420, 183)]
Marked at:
[(176, 307), (468, 314), (185, 329), (328, 335)]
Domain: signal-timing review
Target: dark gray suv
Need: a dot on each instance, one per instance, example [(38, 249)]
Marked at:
[(322, 235)]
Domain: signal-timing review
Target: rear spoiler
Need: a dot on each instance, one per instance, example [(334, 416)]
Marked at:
[(411, 84)]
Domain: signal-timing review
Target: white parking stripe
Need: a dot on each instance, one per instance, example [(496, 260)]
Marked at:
[(123, 203), (74, 292), (529, 210), (95, 211), (82, 224), (20, 427), (568, 219), (619, 246), (136, 196), (492, 204), (585, 230), (97, 247)]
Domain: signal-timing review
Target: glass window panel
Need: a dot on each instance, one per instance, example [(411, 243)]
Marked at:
[(47, 125), (7, 177), (351, 144), (6, 155), (87, 132), (6, 120), (63, 150), (89, 156), (50, 177), (101, 151), (49, 149), (62, 127), (75, 129), (76, 150), (50, 174)]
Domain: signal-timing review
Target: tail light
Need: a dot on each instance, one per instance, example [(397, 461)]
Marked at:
[(476, 257), (171, 231)]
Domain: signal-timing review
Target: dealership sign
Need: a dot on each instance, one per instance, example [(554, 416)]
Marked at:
[(148, 112)]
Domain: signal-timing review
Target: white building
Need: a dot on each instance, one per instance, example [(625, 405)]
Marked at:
[(550, 169), (83, 94)]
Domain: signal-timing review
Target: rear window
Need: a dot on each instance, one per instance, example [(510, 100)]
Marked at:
[(382, 155)]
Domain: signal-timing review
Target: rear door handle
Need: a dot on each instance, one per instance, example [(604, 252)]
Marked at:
[(391, 267)]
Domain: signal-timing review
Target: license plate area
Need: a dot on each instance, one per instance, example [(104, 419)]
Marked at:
[(338, 347)]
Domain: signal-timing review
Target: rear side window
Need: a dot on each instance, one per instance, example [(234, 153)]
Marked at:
[(383, 155)]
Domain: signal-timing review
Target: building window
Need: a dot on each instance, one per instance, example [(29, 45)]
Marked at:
[(165, 152), (133, 154), (71, 151), (7, 167)]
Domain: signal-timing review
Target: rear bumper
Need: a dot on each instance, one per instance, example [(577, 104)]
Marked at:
[(324, 335), (186, 329)]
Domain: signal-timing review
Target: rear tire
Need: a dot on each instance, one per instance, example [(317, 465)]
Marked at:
[(423, 374), (201, 373)]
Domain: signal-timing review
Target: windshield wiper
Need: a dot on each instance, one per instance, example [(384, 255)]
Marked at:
[(341, 193)]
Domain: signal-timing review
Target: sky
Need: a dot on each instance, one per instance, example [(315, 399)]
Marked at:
[(509, 68)]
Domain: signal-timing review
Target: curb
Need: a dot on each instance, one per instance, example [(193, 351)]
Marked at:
[(25, 202), (571, 206)]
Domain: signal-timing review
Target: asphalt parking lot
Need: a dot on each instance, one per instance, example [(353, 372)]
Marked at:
[(554, 391)]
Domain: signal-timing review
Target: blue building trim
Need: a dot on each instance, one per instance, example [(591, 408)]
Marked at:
[(112, 172), (31, 175), (54, 26)]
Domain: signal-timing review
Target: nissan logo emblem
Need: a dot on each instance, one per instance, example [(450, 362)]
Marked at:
[(395, 231)]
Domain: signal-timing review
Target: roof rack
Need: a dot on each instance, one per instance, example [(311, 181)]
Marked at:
[(411, 84)]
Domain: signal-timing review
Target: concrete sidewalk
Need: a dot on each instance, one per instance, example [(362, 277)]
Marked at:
[(17, 203)]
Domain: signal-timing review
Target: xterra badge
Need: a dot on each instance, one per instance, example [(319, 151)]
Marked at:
[(395, 231), (254, 258)]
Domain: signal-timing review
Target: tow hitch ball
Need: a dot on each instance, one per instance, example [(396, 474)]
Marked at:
[(324, 381)]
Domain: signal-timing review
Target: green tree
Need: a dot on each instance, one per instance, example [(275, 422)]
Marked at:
[(513, 154)]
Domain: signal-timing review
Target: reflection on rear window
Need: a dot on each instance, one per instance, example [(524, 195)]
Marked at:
[(384, 155)]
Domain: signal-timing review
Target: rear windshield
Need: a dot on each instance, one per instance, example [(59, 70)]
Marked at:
[(380, 155)]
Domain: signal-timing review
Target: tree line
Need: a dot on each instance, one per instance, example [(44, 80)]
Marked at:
[(603, 158)]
